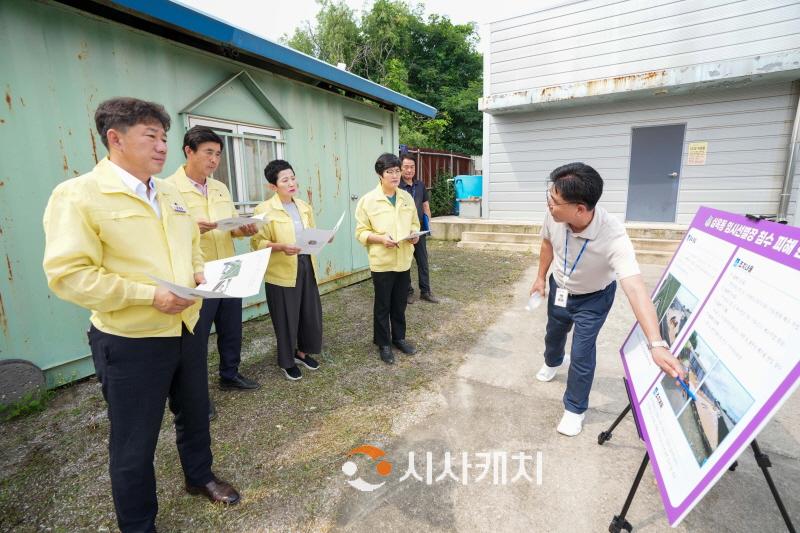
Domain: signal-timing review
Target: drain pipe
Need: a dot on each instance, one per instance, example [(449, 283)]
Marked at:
[(791, 160)]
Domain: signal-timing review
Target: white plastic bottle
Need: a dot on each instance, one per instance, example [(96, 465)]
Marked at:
[(534, 301)]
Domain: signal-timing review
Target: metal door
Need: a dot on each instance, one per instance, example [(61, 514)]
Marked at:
[(364, 145), (654, 173)]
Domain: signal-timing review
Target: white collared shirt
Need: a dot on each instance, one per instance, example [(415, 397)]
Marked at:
[(608, 254), (139, 188)]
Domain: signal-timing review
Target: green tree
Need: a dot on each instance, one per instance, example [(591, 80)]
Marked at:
[(336, 37), (433, 60)]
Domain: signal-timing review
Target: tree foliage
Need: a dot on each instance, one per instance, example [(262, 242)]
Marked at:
[(429, 59)]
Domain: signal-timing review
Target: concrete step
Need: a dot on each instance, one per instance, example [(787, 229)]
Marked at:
[(492, 236), (505, 246), (656, 245), (450, 228), (649, 257), (639, 230), (649, 251)]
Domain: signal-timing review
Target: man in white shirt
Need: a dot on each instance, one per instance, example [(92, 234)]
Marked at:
[(590, 249)]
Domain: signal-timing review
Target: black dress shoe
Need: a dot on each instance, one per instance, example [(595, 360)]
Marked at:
[(217, 491), (386, 354), (429, 297), (405, 347), (212, 411), (238, 383)]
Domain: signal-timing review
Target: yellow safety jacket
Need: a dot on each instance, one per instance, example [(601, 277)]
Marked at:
[(218, 204), (282, 268), (375, 214), (102, 241)]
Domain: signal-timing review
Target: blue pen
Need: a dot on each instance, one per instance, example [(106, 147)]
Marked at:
[(686, 388)]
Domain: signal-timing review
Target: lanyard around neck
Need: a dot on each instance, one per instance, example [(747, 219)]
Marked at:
[(566, 250)]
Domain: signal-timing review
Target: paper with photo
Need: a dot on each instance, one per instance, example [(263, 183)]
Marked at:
[(725, 310), (239, 276), (230, 224), (311, 241)]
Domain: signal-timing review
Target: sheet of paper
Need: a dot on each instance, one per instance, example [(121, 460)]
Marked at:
[(413, 235), (239, 276), (311, 241), (230, 224)]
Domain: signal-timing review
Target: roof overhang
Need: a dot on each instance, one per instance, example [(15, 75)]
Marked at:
[(780, 66)]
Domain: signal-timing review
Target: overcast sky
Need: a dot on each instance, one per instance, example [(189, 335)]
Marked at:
[(273, 18)]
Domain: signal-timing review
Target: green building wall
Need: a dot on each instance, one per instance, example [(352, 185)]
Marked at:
[(58, 64)]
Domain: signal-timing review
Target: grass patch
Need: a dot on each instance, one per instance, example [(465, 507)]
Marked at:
[(281, 445)]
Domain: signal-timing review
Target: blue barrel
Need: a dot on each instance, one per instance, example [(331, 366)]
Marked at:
[(468, 186)]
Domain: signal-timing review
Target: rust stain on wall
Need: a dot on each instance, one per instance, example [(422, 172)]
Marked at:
[(2, 121), (94, 145), (84, 53), (65, 164), (21, 101), (8, 99), (10, 272), (328, 269), (642, 80), (310, 195), (338, 169), (3, 320)]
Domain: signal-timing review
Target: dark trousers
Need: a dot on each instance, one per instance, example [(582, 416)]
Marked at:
[(226, 315), (296, 314), (587, 313), (389, 309), (137, 377), (421, 257)]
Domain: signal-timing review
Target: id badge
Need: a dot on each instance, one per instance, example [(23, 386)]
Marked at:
[(561, 297)]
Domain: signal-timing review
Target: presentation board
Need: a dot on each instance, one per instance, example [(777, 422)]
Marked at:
[(728, 304)]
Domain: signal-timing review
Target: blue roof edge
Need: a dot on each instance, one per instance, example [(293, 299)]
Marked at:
[(210, 27)]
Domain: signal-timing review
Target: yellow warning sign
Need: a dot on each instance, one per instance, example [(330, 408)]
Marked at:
[(697, 153)]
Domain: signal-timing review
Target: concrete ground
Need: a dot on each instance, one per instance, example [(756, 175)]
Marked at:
[(495, 403)]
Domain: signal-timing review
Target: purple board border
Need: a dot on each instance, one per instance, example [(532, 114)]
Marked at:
[(744, 233)]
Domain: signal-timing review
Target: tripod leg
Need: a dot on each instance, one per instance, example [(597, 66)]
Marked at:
[(619, 523), (606, 435), (763, 462)]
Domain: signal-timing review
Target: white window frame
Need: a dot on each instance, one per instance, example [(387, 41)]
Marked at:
[(240, 131)]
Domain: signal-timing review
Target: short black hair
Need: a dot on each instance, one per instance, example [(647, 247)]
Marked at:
[(579, 183), (199, 135), (123, 112), (406, 155), (385, 162), (274, 168)]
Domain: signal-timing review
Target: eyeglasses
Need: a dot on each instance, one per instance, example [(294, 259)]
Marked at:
[(552, 203), (392, 171)]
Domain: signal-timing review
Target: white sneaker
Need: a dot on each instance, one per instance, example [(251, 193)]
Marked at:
[(547, 373), (571, 424)]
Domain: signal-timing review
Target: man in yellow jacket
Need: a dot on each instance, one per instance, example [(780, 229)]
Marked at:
[(209, 200), (106, 232), (385, 219)]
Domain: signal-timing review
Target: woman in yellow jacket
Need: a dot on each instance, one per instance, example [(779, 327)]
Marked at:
[(385, 216), (291, 284)]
